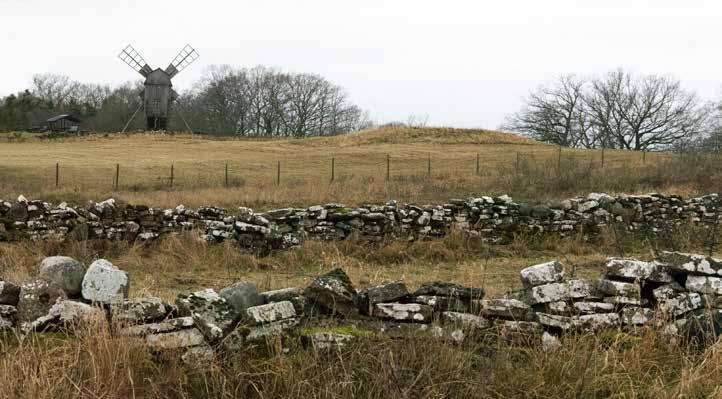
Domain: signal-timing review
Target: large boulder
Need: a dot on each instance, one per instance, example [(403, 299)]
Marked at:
[(241, 295), (36, 299), (105, 283), (65, 272), (544, 273), (333, 293), (212, 315), (9, 293)]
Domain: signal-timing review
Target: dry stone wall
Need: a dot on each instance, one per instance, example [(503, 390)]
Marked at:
[(489, 217), (678, 294)]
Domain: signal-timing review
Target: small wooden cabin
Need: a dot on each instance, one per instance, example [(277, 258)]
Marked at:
[(64, 123)]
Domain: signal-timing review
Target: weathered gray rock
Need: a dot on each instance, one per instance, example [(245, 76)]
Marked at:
[(625, 300), (593, 307), (513, 309), (409, 312), (554, 292), (36, 299), (681, 304), (66, 314), (176, 339), (63, 271), (165, 326), (241, 295), (634, 316), (448, 303), (550, 342), (638, 270), (667, 291), (269, 313), (284, 294), (692, 263), (702, 326), (18, 212), (333, 293), (327, 340), (440, 288), (7, 317), (139, 311), (555, 321), (465, 319), (212, 315), (9, 293), (388, 292), (597, 322), (244, 335), (105, 283), (198, 357), (618, 288), (704, 284), (544, 273)]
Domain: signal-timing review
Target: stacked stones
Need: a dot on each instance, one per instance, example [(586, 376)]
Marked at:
[(680, 293), (491, 218)]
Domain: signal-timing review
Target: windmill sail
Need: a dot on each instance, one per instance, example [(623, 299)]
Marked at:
[(134, 60), (184, 58)]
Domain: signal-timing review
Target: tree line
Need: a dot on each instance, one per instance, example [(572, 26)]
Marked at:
[(258, 101), (618, 110)]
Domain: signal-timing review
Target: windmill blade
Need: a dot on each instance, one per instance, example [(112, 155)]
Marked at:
[(134, 60), (184, 58)]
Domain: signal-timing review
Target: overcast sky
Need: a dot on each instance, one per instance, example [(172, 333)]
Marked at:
[(461, 63)]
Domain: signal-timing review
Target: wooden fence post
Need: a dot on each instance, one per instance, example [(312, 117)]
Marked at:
[(559, 160), (333, 169), (117, 176), (172, 175), (57, 174), (517, 162), (644, 157), (226, 176), (478, 166), (602, 157), (388, 167), (428, 167), (278, 174)]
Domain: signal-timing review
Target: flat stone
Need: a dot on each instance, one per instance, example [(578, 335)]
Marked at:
[(544, 273), (198, 357), (66, 314), (596, 322), (440, 288), (557, 292), (682, 303), (667, 291), (704, 285), (241, 295), (618, 288), (9, 293), (139, 311), (333, 293), (447, 303), (327, 340), (638, 270), (269, 313), (411, 312), (176, 339), (692, 263), (36, 299), (465, 319), (593, 307), (633, 316), (284, 294), (506, 308), (212, 315), (388, 292), (105, 283), (555, 321), (169, 325), (63, 271), (624, 300)]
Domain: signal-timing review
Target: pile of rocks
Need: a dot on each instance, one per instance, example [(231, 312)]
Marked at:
[(680, 293), (490, 217)]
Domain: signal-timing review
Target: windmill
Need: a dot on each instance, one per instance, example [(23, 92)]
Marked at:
[(158, 94)]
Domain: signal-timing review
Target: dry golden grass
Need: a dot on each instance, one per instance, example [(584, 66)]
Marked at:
[(508, 164)]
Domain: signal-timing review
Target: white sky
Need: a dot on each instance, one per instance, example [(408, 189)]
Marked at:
[(462, 63)]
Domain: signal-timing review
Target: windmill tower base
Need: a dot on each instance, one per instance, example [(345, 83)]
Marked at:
[(153, 123)]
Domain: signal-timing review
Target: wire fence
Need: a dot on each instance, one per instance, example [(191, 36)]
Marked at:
[(300, 169)]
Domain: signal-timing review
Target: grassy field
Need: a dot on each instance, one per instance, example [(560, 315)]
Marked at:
[(506, 164), (91, 363)]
